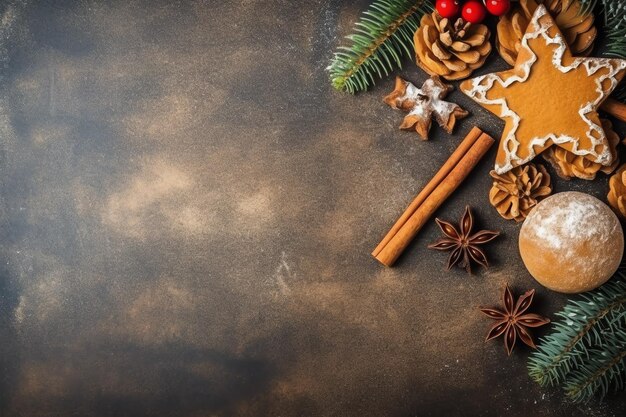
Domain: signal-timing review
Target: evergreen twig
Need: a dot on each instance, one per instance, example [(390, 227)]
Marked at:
[(604, 369), (381, 38), (586, 352)]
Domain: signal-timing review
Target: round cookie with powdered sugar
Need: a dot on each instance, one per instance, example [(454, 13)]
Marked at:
[(571, 242)]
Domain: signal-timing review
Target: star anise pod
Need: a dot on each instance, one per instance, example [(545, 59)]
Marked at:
[(512, 322), (463, 244)]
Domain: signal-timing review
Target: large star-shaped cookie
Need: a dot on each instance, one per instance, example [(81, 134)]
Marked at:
[(549, 97)]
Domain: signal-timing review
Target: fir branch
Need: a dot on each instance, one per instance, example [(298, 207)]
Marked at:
[(597, 375), (586, 351), (382, 36), (550, 372)]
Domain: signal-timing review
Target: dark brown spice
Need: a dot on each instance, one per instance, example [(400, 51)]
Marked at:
[(464, 245), (512, 322)]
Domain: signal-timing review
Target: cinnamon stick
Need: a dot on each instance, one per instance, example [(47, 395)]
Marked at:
[(614, 108), (447, 179)]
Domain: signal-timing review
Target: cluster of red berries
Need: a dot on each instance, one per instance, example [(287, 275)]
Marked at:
[(473, 11)]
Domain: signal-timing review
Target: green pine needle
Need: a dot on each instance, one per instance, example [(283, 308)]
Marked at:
[(586, 353), (603, 371), (381, 38)]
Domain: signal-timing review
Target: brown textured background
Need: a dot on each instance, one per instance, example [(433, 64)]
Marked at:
[(187, 211)]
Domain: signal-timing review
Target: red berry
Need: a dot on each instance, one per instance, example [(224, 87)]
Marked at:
[(448, 8), (498, 7), (474, 11)]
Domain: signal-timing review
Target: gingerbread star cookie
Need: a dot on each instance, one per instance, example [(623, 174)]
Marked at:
[(548, 98), (424, 104)]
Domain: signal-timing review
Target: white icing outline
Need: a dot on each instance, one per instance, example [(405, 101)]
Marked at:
[(592, 65)]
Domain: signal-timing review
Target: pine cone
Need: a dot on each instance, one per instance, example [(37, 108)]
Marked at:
[(451, 50), (568, 164), (617, 192), (517, 191), (577, 28)]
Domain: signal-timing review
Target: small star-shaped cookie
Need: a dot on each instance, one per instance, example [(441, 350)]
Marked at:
[(549, 97), (423, 104)]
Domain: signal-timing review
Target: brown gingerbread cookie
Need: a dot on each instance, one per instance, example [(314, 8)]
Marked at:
[(549, 98), (424, 104)]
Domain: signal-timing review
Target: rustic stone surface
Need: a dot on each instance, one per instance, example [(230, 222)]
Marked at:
[(183, 230)]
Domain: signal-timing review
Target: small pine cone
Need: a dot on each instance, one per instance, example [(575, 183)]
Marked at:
[(617, 192), (517, 191), (450, 49), (569, 165), (577, 27)]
